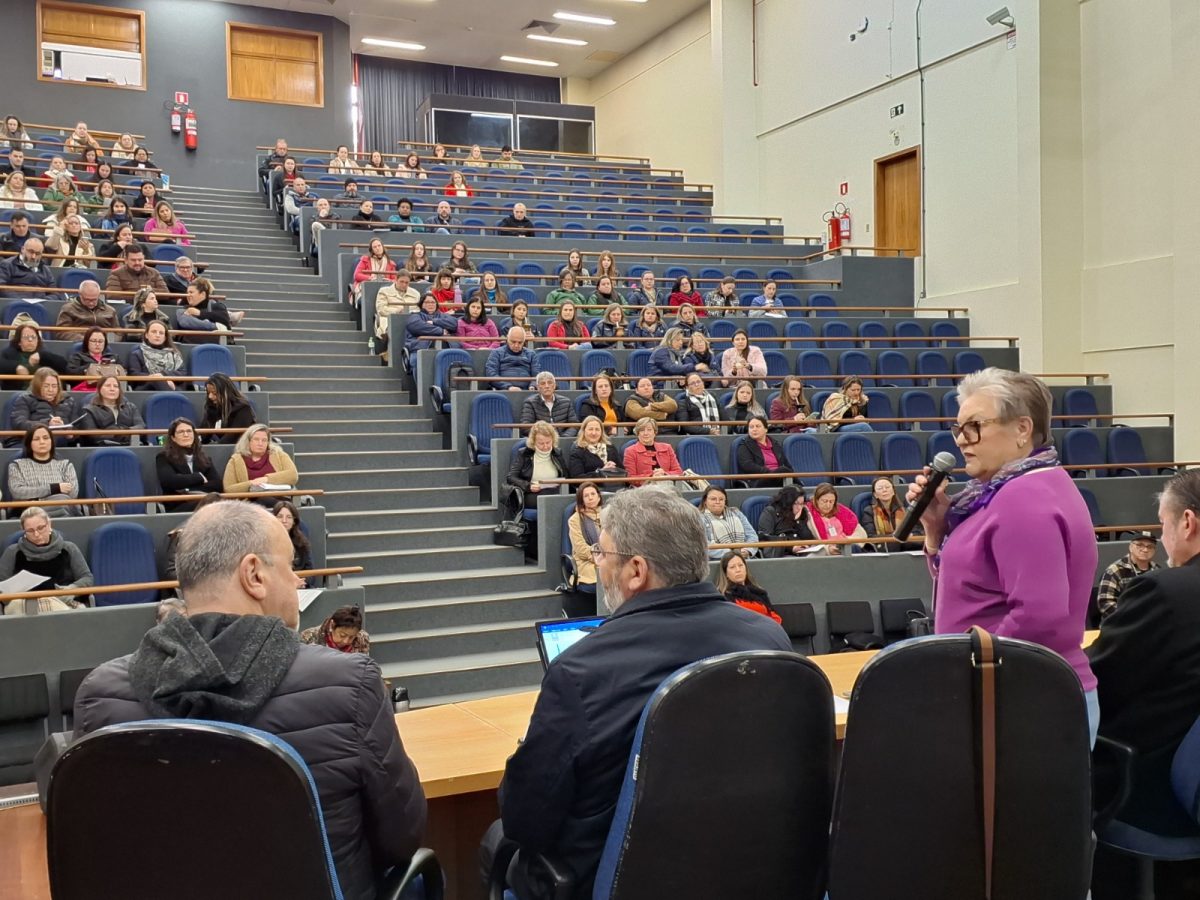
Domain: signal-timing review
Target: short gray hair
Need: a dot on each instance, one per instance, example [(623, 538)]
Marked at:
[(1182, 492), (34, 512), (218, 537), (544, 376), (1016, 394), (663, 527)]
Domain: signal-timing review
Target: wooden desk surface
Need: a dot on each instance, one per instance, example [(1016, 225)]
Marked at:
[(454, 751)]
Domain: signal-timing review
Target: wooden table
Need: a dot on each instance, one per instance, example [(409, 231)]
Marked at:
[(460, 750)]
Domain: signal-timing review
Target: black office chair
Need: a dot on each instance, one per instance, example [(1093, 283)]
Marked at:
[(851, 626), (908, 816), (727, 791), (69, 681), (208, 808), (800, 623), (24, 718), (894, 615)]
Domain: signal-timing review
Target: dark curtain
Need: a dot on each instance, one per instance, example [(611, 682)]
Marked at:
[(390, 90)]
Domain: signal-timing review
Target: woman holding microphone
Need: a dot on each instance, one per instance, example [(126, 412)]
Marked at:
[(1014, 552)]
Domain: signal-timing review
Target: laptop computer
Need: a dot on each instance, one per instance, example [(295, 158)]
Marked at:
[(556, 635)]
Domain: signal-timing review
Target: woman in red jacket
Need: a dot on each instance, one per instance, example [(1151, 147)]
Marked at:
[(682, 292), (567, 324), (375, 265), (457, 187), (648, 457), (443, 290)]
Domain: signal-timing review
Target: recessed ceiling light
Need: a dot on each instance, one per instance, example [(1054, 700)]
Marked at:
[(550, 39), (587, 20), (523, 60), (395, 45)]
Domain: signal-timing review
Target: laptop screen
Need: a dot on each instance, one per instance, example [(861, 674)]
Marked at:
[(556, 635)]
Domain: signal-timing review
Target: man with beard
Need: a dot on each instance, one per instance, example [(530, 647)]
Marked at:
[(561, 785)]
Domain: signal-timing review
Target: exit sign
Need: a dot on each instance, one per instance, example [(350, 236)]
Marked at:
[(181, 98)]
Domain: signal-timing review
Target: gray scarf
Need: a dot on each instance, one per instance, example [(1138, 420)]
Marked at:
[(161, 359)]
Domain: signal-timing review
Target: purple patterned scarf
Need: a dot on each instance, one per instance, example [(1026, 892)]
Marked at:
[(978, 494)]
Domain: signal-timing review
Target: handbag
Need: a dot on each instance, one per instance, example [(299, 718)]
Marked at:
[(695, 482), (513, 530), (616, 472)]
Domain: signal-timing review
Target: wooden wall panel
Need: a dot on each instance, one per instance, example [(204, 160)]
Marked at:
[(108, 28), (275, 65)]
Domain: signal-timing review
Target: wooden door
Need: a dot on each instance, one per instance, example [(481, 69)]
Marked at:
[(898, 201)]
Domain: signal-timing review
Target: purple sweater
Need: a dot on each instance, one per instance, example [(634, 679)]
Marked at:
[(486, 331), (1023, 567)]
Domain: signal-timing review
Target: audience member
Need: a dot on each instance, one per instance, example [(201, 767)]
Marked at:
[(682, 292), (418, 263), (648, 327), (1118, 576), (38, 474), (517, 223), (285, 511), (760, 453), (700, 351), (183, 467), (13, 134), (349, 191), (426, 323), (576, 267), (143, 201), (611, 328), (457, 186), (506, 161), (116, 214), (411, 168), (883, 515), (724, 524), (548, 406), (376, 167), (395, 298), (848, 406), (519, 318), (686, 321), (460, 264), (45, 403), (494, 299), (105, 192), (791, 406), (183, 275), (295, 196), (647, 401), (61, 188), (259, 464), (366, 217), (18, 233), (513, 362), (87, 164), (724, 296), (606, 293), (341, 163), (698, 408), (15, 162), (109, 411), (17, 194), (449, 299), (42, 551), (135, 274), (325, 218), (25, 353), (28, 270), (165, 227), (670, 358), (86, 310), (374, 265), (647, 457), (68, 207), (561, 785), (786, 518), (606, 265), (644, 294), (122, 240), (201, 312), (342, 631), (601, 402), (125, 145), (144, 310), (80, 139), (477, 331), (242, 615), (742, 361), (566, 325), (141, 163), (225, 407), (832, 520), (93, 358), (538, 460), (742, 407), (156, 356), (767, 303), (474, 158), (592, 455), (439, 152), (404, 219), (739, 587), (583, 528), (68, 240)]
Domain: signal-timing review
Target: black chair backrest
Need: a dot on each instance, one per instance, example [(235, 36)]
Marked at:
[(910, 778), (68, 686), (845, 617), (756, 731), (24, 713), (220, 788), (800, 623), (894, 616)]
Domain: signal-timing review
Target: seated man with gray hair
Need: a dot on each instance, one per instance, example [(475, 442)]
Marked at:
[(234, 656), (42, 551), (548, 406), (560, 787)]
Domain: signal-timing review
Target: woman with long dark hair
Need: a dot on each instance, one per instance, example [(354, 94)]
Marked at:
[(738, 585), (285, 511), (26, 353), (583, 527), (225, 408), (37, 474), (157, 356), (882, 516), (786, 518), (183, 467), (342, 631), (109, 411)]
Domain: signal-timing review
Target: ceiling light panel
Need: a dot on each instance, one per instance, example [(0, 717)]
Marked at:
[(551, 39), (586, 20), (395, 45), (526, 61)]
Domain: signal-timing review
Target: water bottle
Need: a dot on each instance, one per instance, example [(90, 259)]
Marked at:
[(371, 344), (400, 699), (457, 294), (166, 181)]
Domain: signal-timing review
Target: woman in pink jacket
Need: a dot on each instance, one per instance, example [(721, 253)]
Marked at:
[(742, 361), (476, 329), (833, 520), (374, 265), (165, 227)]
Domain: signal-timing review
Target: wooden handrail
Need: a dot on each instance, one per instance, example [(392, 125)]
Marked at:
[(155, 585), (55, 289), (887, 539), (756, 378), (587, 213), (97, 259), (639, 256), (669, 423), (592, 232), (157, 498), (90, 230), (253, 379), (923, 341), (52, 329), (140, 432), (853, 251), (522, 195), (595, 157), (67, 130)]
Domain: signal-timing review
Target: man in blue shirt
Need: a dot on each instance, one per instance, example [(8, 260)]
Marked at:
[(513, 361)]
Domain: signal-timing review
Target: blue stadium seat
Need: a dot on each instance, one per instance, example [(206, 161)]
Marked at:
[(1079, 402), (117, 472), (167, 252), (823, 305), (495, 266), (674, 272), (554, 361), (764, 334), (944, 334), (593, 361), (837, 329), (859, 503), (744, 274), (943, 442), (699, 454), (901, 452), (35, 311), (813, 366), (605, 227), (721, 332), (522, 293), (896, 366), (780, 275), (918, 405), (968, 361), (879, 406), (907, 328), (208, 359), (874, 334), (441, 387), (1125, 447), (949, 408), (529, 268), (638, 363), (1081, 447), (1093, 507), (777, 363), (854, 453), (804, 454), (123, 553), (855, 362), (71, 278), (486, 411), (799, 328), (933, 363), (711, 276), (752, 508), (164, 407)]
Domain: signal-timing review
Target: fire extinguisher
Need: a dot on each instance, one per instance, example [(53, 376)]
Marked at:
[(176, 120), (839, 223), (189, 129)]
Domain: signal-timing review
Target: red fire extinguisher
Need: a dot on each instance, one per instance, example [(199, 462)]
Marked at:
[(839, 226), (176, 120), (189, 129)]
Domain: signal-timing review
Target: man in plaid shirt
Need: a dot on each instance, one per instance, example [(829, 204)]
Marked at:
[(1116, 578)]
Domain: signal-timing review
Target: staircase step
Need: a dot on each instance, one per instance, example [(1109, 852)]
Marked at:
[(496, 671), (387, 398), (450, 611), (410, 518), (410, 646), (352, 479), (396, 497), (366, 457), (380, 588), (357, 427), (383, 540), (378, 440), (347, 411), (407, 562)]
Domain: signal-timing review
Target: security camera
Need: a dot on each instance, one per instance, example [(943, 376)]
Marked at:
[(1001, 17)]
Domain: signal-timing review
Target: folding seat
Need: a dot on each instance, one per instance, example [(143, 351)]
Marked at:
[(530, 268), (855, 362), (673, 272), (907, 328), (1081, 447), (486, 411), (71, 278), (777, 363), (813, 366), (744, 274), (800, 623), (164, 407), (854, 453), (1079, 402), (1125, 447), (123, 553), (780, 275), (522, 293), (24, 724), (894, 615), (554, 361), (114, 472), (944, 333), (167, 252), (637, 363), (594, 361), (879, 408), (699, 454), (943, 442), (918, 405), (35, 311), (838, 330), (763, 334), (823, 305), (208, 359), (799, 328), (669, 233), (851, 626), (933, 362), (968, 361), (441, 388), (873, 334), (896, 367), (901, 452), (752, 507), (721, 332), (949, 408)]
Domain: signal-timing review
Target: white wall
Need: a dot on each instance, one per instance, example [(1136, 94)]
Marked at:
[(658, 100)]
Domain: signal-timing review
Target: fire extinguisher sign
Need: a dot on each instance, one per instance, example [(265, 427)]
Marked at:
[(181, 98)]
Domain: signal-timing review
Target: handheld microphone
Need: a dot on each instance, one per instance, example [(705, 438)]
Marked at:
[(942, 465)]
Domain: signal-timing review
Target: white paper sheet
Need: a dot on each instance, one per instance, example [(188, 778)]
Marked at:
[(22, 581), (307, 596)]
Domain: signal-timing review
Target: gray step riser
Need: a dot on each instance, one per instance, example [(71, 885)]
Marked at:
[(353, 481), (402, 650), (348, 342), (327, 391), (483, 612), (263, 364), (402, 427), (416, 498), (415, 540), (468, 585), (276, 317), (373, 396), (440, 684), (309, 443), (295, 306), (417, 563), (412, 518), (366, 458), (349, 412)]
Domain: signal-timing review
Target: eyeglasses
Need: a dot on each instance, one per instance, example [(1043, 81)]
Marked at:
[(970, 431), (37, 529), (598, 553)]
